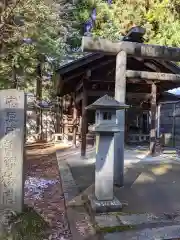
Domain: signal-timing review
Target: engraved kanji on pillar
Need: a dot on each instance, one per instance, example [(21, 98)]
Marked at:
[(12, 122)]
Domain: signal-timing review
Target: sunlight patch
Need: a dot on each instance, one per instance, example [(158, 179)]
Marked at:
[(161, 170), (145, 178)]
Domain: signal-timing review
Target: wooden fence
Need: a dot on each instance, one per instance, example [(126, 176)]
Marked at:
[(169, 123)]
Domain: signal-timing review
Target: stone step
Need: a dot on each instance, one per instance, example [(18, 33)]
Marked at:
[(131, 221), (166, 233), (135, 226)]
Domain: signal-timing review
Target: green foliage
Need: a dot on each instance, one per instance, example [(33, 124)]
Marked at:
[(161, 18), (55, 26), (165, 19), (26, 226), (34, 20)]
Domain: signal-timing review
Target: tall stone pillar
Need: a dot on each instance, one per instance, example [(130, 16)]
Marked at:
[(120, 95)]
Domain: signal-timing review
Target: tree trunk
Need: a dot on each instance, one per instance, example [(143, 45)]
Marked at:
[(14, 78), (39, 98)]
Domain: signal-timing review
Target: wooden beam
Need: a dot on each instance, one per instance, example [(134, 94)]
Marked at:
[(129, 80), (93, 81), (138, 96), (152, 76), (152, 66), (139, 81), (153, 119), (99, 93), (148, 64), (171, 66), (79, 86), (79, 63), (129, 95), (90, 44), (101, 64), (72, 76), (79, 97)]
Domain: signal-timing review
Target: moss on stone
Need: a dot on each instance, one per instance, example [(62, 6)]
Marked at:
[(125, 213), (114, 228), (26, 226)]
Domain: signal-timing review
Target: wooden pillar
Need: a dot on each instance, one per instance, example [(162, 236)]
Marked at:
[(120, 95), (62, 122), (84, 115), (59, 84), (58, 117), (153, 119), (74, 121), (158, 120), (39, 98), (61, 114), (14, 77)]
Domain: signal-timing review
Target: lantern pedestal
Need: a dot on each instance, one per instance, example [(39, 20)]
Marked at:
[(104, 206)]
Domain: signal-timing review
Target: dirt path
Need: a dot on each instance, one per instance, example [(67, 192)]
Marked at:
[(43, 190)]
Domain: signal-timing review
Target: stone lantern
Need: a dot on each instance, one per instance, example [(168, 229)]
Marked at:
[(105, 126)]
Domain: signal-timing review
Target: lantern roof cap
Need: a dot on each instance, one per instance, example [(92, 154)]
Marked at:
[(107, 102)]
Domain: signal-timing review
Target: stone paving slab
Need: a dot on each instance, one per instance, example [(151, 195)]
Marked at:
[(131, 220), (79, 221), (151, 188), (107, 220), (137, 219), (69, 187), (148, 188), (166, 233), (80, 224)]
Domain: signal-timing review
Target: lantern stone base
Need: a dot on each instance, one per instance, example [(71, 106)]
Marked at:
[(101, 206)]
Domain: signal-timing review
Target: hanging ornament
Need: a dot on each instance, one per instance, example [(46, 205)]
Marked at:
[(27, 40), (88, 26), (93, 14)]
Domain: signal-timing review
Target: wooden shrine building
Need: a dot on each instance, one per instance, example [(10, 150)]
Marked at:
[(147, 80)]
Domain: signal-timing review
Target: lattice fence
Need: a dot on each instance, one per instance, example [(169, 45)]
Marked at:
[(170, 123)]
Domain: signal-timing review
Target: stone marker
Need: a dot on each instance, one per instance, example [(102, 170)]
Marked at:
[(12, 137), (105, 127)]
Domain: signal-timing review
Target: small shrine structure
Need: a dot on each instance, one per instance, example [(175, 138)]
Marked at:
[(135, 73)]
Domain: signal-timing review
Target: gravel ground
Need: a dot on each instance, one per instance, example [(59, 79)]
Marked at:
[(43, 190)]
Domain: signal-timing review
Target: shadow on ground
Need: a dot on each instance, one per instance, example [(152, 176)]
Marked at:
[(152, 188)]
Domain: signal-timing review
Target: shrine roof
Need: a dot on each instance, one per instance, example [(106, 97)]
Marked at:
[(102, 69), (170, 66)]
